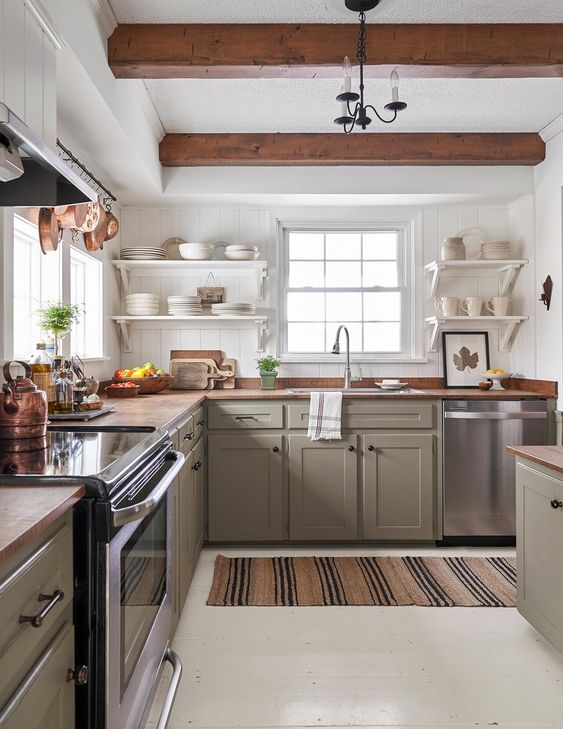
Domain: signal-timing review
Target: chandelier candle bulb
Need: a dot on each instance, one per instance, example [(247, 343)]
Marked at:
[(347, 67), (394, 86)]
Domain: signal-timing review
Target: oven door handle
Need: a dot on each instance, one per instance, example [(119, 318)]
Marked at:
[(138, 511), (174, 659)]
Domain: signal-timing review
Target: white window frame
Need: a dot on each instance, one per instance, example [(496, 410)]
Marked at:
[(411, 304), (88, 305)]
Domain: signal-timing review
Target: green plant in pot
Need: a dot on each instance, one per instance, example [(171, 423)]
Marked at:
[(268, 368), (57, 319)]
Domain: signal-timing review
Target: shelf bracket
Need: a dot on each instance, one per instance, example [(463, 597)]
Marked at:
[(262, 328), (434, 332), (125, 327), (434, 281), (508, 280), (507, 335), (261, 277), (124, 270)]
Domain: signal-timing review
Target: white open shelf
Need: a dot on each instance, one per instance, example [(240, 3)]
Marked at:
[(509, 270), (508, 324), (167, 267), (124, 322)]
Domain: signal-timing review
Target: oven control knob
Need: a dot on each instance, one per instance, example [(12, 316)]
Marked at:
[(78, 675)]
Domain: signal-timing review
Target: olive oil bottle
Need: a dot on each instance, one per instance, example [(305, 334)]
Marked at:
[(42, 373)]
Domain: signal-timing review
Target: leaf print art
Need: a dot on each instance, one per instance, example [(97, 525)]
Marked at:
[(464, 359)]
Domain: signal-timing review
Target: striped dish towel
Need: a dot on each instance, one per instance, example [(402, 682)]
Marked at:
[(325, 416)]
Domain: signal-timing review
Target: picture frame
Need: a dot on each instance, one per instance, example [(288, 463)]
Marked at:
[(211, 295), (465, 357)]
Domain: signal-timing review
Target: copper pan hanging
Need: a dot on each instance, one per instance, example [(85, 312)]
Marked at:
[(93, 211), (50, 233), (94, 240), (112, 226), (71, 216)]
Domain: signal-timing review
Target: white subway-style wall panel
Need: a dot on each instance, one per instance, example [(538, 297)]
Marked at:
[(258, 227)]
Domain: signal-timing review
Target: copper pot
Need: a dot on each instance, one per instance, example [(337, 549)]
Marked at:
[(95, 239), (93, 210), (23, 408), (112, 227), (50, 233), (71, 216)]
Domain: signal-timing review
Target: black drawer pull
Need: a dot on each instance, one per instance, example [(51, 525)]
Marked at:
[(189, 436), (371, 448), (201, 422), (350, 448), (197, 465), (556, 504), (37, 619), (78, 675), (242, 418), (276, 449)]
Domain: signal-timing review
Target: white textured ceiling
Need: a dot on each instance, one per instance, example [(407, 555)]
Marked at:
[(328, 11), (308, 105)]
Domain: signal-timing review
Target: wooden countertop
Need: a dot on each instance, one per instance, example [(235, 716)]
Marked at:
[(548, 456), (25, 511)]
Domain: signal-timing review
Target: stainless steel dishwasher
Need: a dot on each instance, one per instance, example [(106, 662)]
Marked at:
[(479, 486)]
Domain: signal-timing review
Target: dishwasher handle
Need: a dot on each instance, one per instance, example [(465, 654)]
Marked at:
[(464, 415)]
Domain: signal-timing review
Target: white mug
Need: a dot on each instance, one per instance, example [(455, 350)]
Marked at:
[(498, 305), (447, 306), (472, 305)]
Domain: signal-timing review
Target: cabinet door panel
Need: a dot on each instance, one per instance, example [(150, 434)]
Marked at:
[(540, 548), (198, 506), (323, 489), (398, 494), (245, 487), (184, 521)]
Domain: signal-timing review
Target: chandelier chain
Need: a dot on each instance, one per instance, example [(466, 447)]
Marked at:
[(362, 39)]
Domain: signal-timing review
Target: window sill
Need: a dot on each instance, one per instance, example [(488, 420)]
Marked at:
[(354, 358), (95, 359)]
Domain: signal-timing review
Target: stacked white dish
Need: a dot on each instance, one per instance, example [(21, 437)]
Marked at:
[(391, 384), (497, 250), (241, 253), (184, 305), (239, 309), (143, 253), (141, 304), (196, 251)]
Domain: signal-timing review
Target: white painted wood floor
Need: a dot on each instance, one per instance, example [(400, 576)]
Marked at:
[(360, 666)]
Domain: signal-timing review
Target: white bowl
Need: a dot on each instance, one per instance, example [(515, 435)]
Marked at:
[(195, 252), (242, 255), (241, 248)]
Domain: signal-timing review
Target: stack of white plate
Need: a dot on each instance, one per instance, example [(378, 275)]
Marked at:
[(496, 250), (241, 253), (240, 309), (143, 253), (142, 304), (184, 305)]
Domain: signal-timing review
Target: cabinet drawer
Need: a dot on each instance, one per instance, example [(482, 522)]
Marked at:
[(199, 422), (370, 414), (43, 572), (245, 415), (186, 432)]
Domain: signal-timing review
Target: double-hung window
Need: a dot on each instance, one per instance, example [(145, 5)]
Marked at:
[(357, 277), (86, 292)]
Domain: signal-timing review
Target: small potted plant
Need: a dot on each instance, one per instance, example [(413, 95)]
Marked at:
[(268, 368), (57, 319)]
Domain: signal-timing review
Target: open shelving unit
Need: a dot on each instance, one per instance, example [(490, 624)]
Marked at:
[(508, 269), (508, 324)]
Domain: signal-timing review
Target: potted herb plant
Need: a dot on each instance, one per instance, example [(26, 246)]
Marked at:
[(268, 368), (57, 320)]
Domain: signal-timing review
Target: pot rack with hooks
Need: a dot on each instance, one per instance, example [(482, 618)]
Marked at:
[(105, 196)]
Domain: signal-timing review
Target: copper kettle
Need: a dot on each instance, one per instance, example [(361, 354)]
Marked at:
[(23, 408)]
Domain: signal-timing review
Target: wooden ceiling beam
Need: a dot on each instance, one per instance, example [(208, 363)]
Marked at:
[(427, 149), (311, 50)]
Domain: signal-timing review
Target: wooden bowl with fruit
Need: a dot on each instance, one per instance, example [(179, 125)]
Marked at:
[(122, 389), (149, 378)]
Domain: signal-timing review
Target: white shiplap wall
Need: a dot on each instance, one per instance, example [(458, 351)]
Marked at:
[(258, 227)]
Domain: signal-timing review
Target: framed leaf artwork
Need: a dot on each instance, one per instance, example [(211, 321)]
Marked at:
[(466, 358)]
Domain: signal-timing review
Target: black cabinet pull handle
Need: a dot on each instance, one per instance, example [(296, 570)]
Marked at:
[(556, 504), (189, 436), (197, 465), (350, 448), (78, 675), (37, 619), (200, 422), (371, 448), (276, 449)]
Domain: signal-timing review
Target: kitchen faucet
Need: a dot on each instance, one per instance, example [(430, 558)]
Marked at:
[(336, 350)]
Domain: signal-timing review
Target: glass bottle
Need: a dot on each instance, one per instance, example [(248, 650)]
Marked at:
[(63, 392), (42, 373)]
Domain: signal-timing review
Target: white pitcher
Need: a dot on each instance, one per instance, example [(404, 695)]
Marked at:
[(447, 305), (472, 305)]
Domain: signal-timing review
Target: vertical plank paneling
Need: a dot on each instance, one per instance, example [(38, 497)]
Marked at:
[(190, 227), (170, 224), (2, 46), (130, 227), (229, 225), (488, 220), (13, 48), (210, 225), (250, 227), (150, 227), (33, 83), (49, 91)]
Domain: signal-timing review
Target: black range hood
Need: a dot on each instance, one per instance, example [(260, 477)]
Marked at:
[(46, 180)]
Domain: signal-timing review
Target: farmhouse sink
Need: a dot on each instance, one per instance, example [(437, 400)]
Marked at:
[(356, 390)]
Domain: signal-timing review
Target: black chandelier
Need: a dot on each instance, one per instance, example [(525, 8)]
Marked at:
[(357, 115)]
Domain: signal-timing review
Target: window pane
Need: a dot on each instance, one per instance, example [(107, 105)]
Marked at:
[(382, 337), (343, 246), (306, 246), (380, 246), (306, 273), (86, 293), (382, 307), (343, 307), (344, 275), (380, 274), (355, 330), (305, 307), (306, 337)]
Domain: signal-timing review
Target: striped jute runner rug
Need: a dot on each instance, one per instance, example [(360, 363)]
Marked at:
[(318, 581)]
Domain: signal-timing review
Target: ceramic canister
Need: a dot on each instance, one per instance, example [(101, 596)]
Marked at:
[(453, 249)]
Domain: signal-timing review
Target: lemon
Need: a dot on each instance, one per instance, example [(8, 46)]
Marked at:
[(499, 372), (491, 372)]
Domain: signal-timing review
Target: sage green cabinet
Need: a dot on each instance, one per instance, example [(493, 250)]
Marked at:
[(398, 486), (184, 519), (539, 539), (246, 487), (198, 498), (323, 489)]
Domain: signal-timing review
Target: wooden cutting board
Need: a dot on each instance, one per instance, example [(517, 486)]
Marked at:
[(227, 364), (190, 376), (214, 354)]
